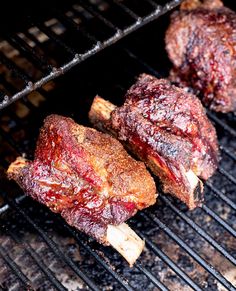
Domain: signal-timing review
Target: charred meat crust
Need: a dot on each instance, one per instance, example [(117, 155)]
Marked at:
[(168, 129), (200, 42), (171, 122), (84, 175)]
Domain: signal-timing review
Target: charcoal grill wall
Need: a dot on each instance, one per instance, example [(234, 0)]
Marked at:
[(184, 250)]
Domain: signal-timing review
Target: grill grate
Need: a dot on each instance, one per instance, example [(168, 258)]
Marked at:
[(75, 56), (185, 250)]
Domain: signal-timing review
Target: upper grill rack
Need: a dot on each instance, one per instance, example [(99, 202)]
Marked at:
[(30, 42), (155, 219)]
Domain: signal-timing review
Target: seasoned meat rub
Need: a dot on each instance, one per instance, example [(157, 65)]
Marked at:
[(84, 175), (201, 43), (168, 129)]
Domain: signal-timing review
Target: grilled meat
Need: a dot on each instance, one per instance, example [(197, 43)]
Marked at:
[(201, 43), (87, 177), (168, 129)]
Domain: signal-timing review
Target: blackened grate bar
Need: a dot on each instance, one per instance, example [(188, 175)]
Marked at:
[(152, 278), (77, 57), (96, 256), (228, 153), (27, 51), (190, 251), (47, 272), (169, 262), (54, 247), (217, 192), (219, 122), (15, 269), (200, 231), (227, 175), (219, 220), (12, 67), (66, 259)]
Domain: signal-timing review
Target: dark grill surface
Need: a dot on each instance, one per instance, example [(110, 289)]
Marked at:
[(90, 26), (184, 250)]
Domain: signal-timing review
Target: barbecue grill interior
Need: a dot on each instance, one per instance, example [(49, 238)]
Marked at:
[(184, 250)]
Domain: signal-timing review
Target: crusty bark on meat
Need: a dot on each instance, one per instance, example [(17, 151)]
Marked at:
[(201, 43), (168, 129), (86, 176)]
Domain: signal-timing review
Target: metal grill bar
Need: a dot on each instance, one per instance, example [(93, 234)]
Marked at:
[(11, 141), (52, 245), (169, 262), (6, 206), (10, 65), (29, 53), (152, 278), (153, 3), (79, 58), (7, 85), (227, 175), (190, 251), (219, 122), (219, 220), (69, 23), (200, 231), (126, 9), (228, 153), (43, 268), (52, 35), (96, 256), (219, 194), (45, 56), (15, 269), (90, 9), (33, 38)]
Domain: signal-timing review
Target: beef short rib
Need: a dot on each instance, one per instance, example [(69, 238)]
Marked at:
[(168, 129), (201, 42), (89, 179)]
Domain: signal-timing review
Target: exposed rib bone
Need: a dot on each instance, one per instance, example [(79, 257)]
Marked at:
[(100, 113), (125, 241)]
